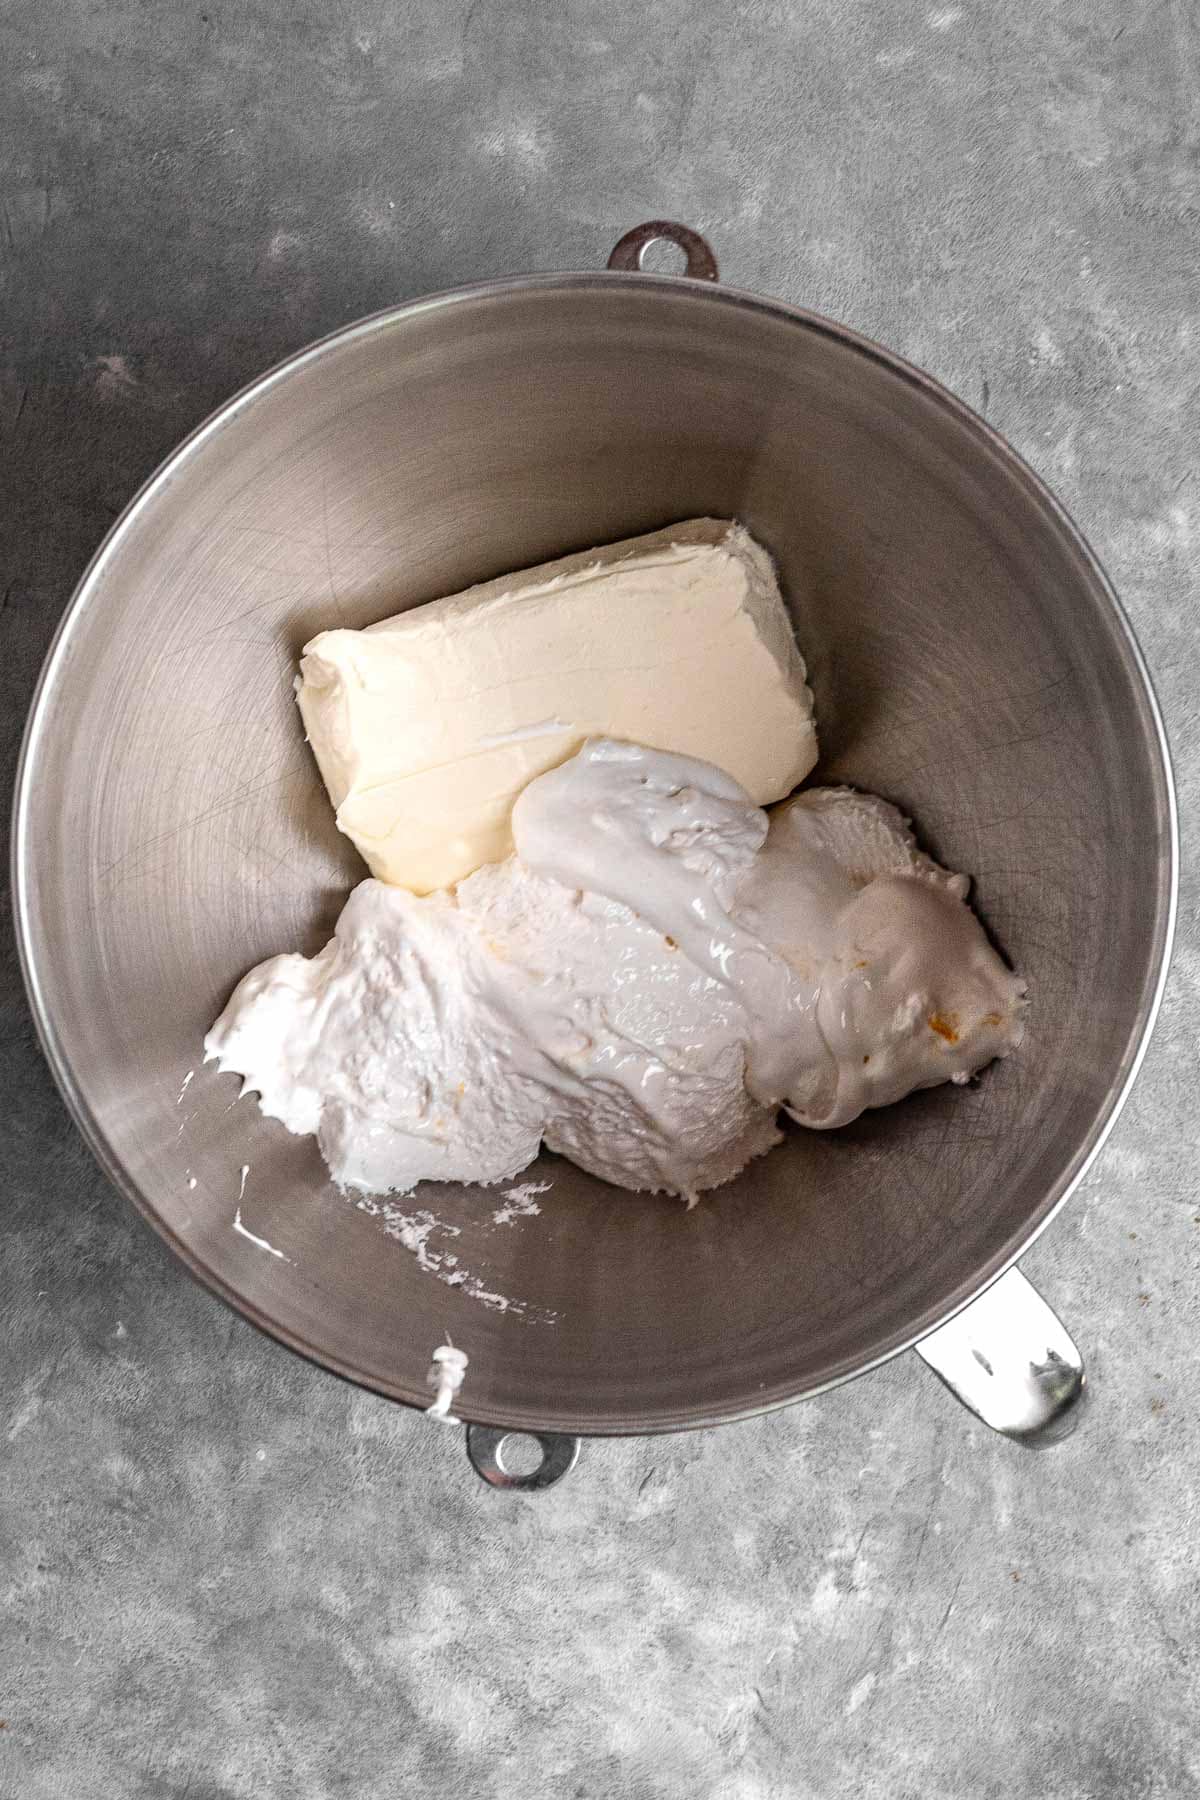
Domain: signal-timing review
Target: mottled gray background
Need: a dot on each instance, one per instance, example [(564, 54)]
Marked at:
[(225, 1575)]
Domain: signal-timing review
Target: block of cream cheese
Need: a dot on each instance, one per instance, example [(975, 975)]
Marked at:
[(427, 726)]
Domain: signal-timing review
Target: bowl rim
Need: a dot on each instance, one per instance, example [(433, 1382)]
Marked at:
[(720, 294)]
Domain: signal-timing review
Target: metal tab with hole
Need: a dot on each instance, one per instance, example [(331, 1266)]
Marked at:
[(486, 1446), (630, 252)]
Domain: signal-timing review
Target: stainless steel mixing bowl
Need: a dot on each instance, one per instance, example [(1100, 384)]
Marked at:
[(970, 662)]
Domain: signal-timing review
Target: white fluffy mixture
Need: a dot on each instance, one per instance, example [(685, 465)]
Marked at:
[(641, 986)]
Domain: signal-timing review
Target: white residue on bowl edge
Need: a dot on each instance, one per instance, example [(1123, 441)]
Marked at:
[(417, 1231), (520, 1202), (241, 1229), (447, 1370)]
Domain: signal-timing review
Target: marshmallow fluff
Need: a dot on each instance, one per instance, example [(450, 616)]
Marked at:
[(643, 984), (428, 725)]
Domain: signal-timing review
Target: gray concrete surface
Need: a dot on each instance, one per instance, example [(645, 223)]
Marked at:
[(224, 1575)]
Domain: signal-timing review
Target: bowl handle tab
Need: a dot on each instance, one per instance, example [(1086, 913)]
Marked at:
[(628, 254), (1009, 1359), (486, 1446)]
